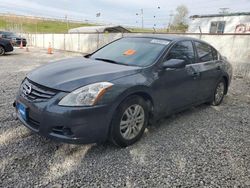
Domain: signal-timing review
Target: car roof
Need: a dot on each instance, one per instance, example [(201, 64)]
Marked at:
[(169, 37)]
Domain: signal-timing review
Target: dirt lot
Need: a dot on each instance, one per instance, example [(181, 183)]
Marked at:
[(203, 146)]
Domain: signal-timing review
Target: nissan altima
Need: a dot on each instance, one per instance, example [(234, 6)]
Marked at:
[(115, 92)]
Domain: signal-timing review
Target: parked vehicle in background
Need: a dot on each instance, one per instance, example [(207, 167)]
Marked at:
[(14, 38), (114, 92), (5, 46)]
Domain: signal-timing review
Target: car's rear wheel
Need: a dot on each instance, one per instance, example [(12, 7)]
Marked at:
[(129, 121), (219, 93), (2, 51)]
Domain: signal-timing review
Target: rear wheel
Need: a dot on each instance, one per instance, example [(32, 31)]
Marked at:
[(2, 51), (219, 93), (129, 121)]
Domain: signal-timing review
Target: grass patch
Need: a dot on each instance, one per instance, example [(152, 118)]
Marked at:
[(34, 25), (31, 25)]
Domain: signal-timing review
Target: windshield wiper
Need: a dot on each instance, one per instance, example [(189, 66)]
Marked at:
[(110, 61)]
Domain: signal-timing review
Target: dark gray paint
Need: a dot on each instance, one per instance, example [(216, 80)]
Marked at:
[(6, 45), (168, 90), (70, 74)]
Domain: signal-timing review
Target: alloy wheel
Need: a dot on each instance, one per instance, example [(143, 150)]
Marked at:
[(1, 50), (219, 93), (132, 121)]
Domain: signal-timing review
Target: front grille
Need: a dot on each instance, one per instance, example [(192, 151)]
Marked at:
[(36, 92)]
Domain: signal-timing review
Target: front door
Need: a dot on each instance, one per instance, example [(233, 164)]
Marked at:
[(177, 88)]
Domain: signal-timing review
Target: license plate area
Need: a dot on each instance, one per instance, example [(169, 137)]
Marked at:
[(22, 111)]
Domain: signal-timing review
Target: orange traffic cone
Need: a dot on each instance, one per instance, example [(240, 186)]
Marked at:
[(49, 49), (21, 44)]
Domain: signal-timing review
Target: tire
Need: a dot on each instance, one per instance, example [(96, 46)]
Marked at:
[(2, 51), (129, 121), (219, 93)]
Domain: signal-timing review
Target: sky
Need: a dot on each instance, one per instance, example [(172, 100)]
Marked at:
[(121, 12)]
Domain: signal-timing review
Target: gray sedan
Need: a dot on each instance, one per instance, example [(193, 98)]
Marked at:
[(115, 92)]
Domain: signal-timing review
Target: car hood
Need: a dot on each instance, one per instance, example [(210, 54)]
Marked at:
[(70, 74)]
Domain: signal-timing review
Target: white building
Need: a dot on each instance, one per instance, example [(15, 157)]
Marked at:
[(220, 23)]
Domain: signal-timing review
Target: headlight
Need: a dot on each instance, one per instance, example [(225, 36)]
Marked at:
[(87, 95)]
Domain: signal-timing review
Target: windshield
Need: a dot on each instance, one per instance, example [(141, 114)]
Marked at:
[(132, 51)]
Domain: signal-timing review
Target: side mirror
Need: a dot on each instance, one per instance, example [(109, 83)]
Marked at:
[(174, 64)]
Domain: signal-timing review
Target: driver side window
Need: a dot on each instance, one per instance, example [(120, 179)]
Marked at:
[(182, 50)]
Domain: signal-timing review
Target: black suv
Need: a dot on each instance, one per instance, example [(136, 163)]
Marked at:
[(5, 46), (14, 38)]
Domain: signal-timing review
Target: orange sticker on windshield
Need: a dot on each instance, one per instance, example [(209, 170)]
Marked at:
[(129, 52)]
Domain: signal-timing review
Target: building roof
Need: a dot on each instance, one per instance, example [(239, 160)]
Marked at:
[(169, 37), (100, 29), (221, 15)]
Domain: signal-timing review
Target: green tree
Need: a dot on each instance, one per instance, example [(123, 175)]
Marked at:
[(180, 19)]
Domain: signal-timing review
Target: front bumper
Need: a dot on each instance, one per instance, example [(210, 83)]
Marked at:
[(77, 125)]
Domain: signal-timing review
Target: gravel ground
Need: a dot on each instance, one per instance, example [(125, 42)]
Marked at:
[(203, 146)]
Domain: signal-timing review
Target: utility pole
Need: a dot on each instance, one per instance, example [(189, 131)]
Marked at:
[(67, 21), (170, 20), (142, 19)]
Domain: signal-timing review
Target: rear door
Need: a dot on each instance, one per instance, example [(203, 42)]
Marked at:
[(209, 66)]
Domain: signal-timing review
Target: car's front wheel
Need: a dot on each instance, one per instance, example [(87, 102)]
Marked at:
[(219, 93), (129, 121), (2, 51)]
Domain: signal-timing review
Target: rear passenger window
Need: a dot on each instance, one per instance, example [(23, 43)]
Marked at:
[(204, 52), (182, 50)]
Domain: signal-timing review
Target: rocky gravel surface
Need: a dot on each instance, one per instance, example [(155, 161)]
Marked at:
[(201, 147)]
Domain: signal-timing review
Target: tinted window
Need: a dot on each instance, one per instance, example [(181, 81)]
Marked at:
[(182, 50), (204, 52), (132, 51)]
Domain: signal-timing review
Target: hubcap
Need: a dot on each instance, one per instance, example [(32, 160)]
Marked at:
[(1, 51), (219, 92), (132, 121)]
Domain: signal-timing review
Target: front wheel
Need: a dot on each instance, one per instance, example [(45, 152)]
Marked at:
[(219, 93), (129, 121), (2, 51)]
